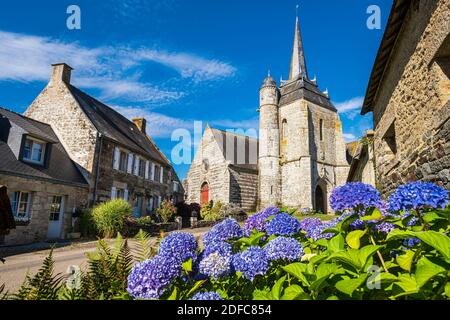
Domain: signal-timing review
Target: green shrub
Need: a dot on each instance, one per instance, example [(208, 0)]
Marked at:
[(86, 224), (110, 217), (167, 211), (212, 213), (145, 220)]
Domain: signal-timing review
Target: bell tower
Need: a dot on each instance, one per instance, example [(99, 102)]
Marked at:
[(269, 145)]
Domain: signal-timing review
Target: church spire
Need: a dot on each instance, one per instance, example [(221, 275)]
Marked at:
[(298, 63)]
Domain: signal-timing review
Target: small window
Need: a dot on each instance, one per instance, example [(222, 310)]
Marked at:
[(120, 194), (34, 150), (123, 161), (284, 129), (142, 168), (55, 208), (321, 129), (390, 140), (21, 202), (157, 173)]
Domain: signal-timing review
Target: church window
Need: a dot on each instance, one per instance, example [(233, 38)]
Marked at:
[(442, 67), (271, 189), (321, 129), (284, 132), (390, 140)]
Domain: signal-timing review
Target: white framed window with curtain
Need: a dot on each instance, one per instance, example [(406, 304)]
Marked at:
[(34, 150), (21, 203), (116, 158), (161, 175)]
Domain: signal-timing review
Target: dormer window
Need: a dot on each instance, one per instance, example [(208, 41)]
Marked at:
[(34, 150)]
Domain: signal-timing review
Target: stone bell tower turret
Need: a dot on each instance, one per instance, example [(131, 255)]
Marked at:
[(269, 145)]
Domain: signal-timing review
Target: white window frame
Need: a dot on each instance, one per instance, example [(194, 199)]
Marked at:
[(161, 175), (152, 175), (130, 163), (136, 166), (16, 208), (147, 166), (35, 141), (113, 193), (116, 158)]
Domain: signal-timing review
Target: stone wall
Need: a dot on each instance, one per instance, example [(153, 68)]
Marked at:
[(56, 106), (244, 188), (210, 166), (412, 102), (108, 178), (41, 195)]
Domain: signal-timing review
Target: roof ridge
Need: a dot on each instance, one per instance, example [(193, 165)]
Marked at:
[(233, 133)]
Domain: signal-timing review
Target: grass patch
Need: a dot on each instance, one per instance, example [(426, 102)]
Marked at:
[(323, 217)]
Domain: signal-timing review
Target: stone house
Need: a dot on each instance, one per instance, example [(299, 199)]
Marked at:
[(224, 169), (362, 167), (115, 155), (44, 186), (409, 96), (302, 151)]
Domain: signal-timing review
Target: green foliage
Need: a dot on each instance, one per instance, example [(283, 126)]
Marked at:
[(212, 213), (43, 286), (110, 217), (167, 211), (145, 249), (86, 224), (3, 293), (147, 220)]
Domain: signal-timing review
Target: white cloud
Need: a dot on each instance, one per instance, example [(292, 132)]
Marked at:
[(350, 105), (188, 65), (27, 58), (349, 137), (158, 125), (241, 124)]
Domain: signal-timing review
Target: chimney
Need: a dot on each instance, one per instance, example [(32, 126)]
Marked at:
[(141, 123), (61, 72)]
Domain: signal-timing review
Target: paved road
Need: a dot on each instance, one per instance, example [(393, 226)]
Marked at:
[(13, 272)]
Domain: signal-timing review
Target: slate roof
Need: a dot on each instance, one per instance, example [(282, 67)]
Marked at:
[(304, 89), (60, 167), (395, 22), (251, 144), (114, 126)]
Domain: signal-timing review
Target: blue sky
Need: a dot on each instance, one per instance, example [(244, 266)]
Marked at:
[(179, 61)]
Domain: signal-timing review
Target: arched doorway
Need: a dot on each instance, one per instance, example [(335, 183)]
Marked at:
[(204, 193), (320, 200)]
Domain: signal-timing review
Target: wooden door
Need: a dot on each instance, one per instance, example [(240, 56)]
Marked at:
[(205, 193)]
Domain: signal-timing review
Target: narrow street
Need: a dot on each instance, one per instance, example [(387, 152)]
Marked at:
[(14, 270)]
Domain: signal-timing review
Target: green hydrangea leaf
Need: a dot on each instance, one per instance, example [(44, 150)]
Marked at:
[(353, 239), (348, 286), (426, 270), (405, 260)]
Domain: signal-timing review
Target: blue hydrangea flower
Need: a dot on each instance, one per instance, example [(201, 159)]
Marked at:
[(258, 221), (180, 245), (151, 278), (358, 224), (215, 266), (411, 242), (226, 230), (355, 195), (384, 227), (415, 195), (283, 248), (221, 247), (283, 225), (207, 296), (251, 262)]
